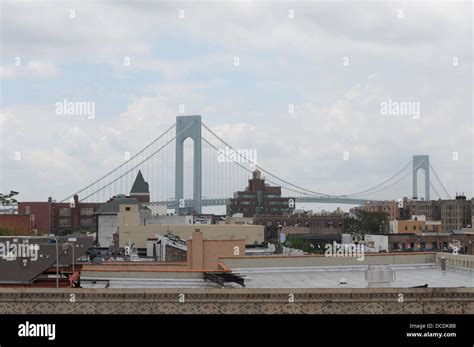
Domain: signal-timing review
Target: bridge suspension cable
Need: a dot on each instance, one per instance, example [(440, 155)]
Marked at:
[(399, 180), (312, 193), (137, 165), (263, 170), (250, 171), (441, 183), (381, 184), (229, 175), (120, 166), (432, 186), (129, 170)]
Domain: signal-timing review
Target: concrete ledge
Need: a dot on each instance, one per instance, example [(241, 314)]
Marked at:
[(237, 301)]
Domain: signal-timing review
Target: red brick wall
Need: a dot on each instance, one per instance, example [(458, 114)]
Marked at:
[(17, 224), (41, 219), (46, 215)]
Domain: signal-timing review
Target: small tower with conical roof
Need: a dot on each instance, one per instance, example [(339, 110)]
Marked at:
[(140, 189)]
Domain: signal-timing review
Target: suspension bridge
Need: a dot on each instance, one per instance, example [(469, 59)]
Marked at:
[(218, 170)]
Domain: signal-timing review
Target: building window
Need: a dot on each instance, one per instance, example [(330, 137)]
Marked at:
[(27, 209), (248, 196), (65, 212), (127, 208), (406, 227), (63, 222), (86, 222), (414, 227), (87, 211)]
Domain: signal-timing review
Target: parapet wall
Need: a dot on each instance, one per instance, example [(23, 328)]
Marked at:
[(238, 301), (462, 261), (322, 260)]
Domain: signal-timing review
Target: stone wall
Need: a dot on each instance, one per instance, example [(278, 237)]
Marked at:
[(237, 301)]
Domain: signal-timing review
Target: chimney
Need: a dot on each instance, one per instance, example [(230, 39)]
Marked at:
[(197, 250)]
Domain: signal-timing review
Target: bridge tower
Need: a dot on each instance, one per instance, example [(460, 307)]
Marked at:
[(421, 162), (188, 127)]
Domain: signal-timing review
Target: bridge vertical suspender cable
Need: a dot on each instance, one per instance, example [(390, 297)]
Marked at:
[(370, 190), (121, 165), (140, 163), (268, 180)]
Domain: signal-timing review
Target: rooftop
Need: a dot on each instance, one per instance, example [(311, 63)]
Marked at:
[(330, 277), (113, 206), (140, 186), (407, 276)]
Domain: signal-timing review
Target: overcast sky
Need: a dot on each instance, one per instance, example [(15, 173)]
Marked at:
[(336, 63)]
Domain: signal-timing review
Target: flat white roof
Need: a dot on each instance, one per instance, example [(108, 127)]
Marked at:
[(410, 275), (406, 276)]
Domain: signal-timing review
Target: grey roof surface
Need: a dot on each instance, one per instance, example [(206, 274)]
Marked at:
[(406, 276), (113, 206), (410, 275), (140, 186)]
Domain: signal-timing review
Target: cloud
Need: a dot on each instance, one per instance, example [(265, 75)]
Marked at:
[(282, 61), (33, 68)]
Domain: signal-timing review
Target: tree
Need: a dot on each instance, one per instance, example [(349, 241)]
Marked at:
[(8, 200), (367, 223), (5, 232), (303, 244)]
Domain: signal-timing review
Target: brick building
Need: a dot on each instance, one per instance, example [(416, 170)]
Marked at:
[(260, 198), (301, 220), (418, 224), (454, 214), (16, 224), (50, 217), (430, 209), (391, 208), (431, 242), (320, 224)]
